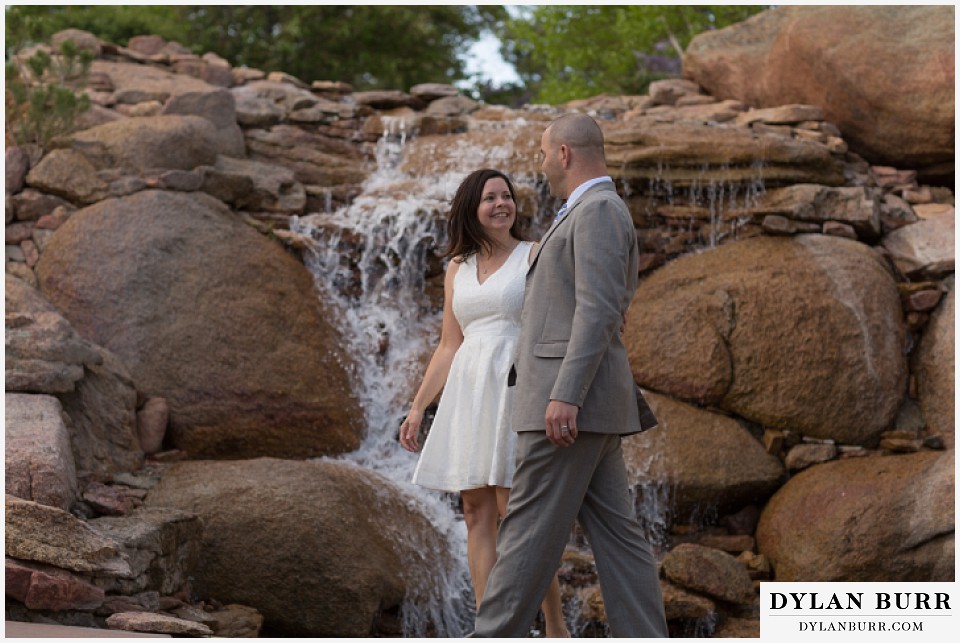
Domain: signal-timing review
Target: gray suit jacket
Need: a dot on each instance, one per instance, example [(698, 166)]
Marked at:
[(581, 280)]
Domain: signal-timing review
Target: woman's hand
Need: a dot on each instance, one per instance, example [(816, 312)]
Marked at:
[(409, 430)]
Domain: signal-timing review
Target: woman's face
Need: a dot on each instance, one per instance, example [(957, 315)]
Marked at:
[(496, 211)]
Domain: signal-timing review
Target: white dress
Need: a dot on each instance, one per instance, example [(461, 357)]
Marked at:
[(470, 443)]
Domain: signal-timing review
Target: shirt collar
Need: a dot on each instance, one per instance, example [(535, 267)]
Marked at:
[(583, 187)]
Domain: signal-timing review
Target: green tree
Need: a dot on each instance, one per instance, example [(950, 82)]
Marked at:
[(566, 52), (369, 46), (40, 99), (32, 24), (378, 46)]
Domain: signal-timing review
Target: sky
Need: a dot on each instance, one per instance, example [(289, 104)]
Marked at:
[(484, 60)]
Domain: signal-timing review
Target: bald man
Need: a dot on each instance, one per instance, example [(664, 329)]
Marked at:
[(575, 398)]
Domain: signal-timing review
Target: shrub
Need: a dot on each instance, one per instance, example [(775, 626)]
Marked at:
[(41, 101)]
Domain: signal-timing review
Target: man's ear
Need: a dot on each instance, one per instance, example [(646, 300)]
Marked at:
[(565, 155)]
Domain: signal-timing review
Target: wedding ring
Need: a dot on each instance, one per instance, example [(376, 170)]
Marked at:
[(564, 429)]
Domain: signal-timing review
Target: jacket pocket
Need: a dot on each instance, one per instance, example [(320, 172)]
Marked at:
[(550, 349)]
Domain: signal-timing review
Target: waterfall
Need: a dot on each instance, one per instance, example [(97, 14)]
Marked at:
[(368, 259)]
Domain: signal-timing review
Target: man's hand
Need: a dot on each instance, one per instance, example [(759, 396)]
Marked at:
[(561, 421)]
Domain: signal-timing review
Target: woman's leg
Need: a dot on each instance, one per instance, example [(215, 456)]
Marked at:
[(480, 515), (552, 605)]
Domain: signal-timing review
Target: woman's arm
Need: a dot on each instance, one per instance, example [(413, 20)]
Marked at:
[(451, 337)]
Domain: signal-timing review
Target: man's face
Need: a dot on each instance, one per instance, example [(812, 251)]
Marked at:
[(550, 164)]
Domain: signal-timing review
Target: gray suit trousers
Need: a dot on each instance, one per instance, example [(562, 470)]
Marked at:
[(552, 487)]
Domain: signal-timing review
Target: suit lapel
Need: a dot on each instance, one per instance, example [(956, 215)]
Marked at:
[(570, 213), (550, 231)]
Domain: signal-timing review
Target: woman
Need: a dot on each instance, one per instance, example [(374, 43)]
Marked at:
[(470, 447)]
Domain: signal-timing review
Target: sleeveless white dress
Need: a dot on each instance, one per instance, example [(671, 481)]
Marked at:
[(470, 443)]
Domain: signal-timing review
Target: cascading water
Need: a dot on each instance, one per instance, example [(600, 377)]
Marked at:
[(369, 259)]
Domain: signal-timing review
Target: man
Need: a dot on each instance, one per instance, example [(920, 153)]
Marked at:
[(575, 398)]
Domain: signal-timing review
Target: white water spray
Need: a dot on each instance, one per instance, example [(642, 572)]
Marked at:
[(369, 260)]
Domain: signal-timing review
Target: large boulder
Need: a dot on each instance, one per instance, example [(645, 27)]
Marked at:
[(886, 80), (320, 548), (864, 519), (210, 315), (802, 333), (935, 368), (171, 141), (704, 461)]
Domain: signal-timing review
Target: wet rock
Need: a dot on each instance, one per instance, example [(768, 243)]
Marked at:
[(705, 459), (39, 460), (681, 604), (740, 327), (864, 519), (350, 536), (244, 373), (640, 152), (821, 204), (709, 571)]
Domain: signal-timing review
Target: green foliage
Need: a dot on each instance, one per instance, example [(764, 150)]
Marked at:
[(566, 52), (368, 46), (379, 46), (31, 24), (40, 101)]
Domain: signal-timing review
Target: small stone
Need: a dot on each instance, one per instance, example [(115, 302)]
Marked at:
[(923, 300), (837, 229), (805, 455), (158, 623), (773, 441), (778, 225), (900, 445), (921, 195), (733, 544)]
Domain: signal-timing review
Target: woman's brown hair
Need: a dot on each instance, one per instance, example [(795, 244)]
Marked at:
[(465, 235)]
